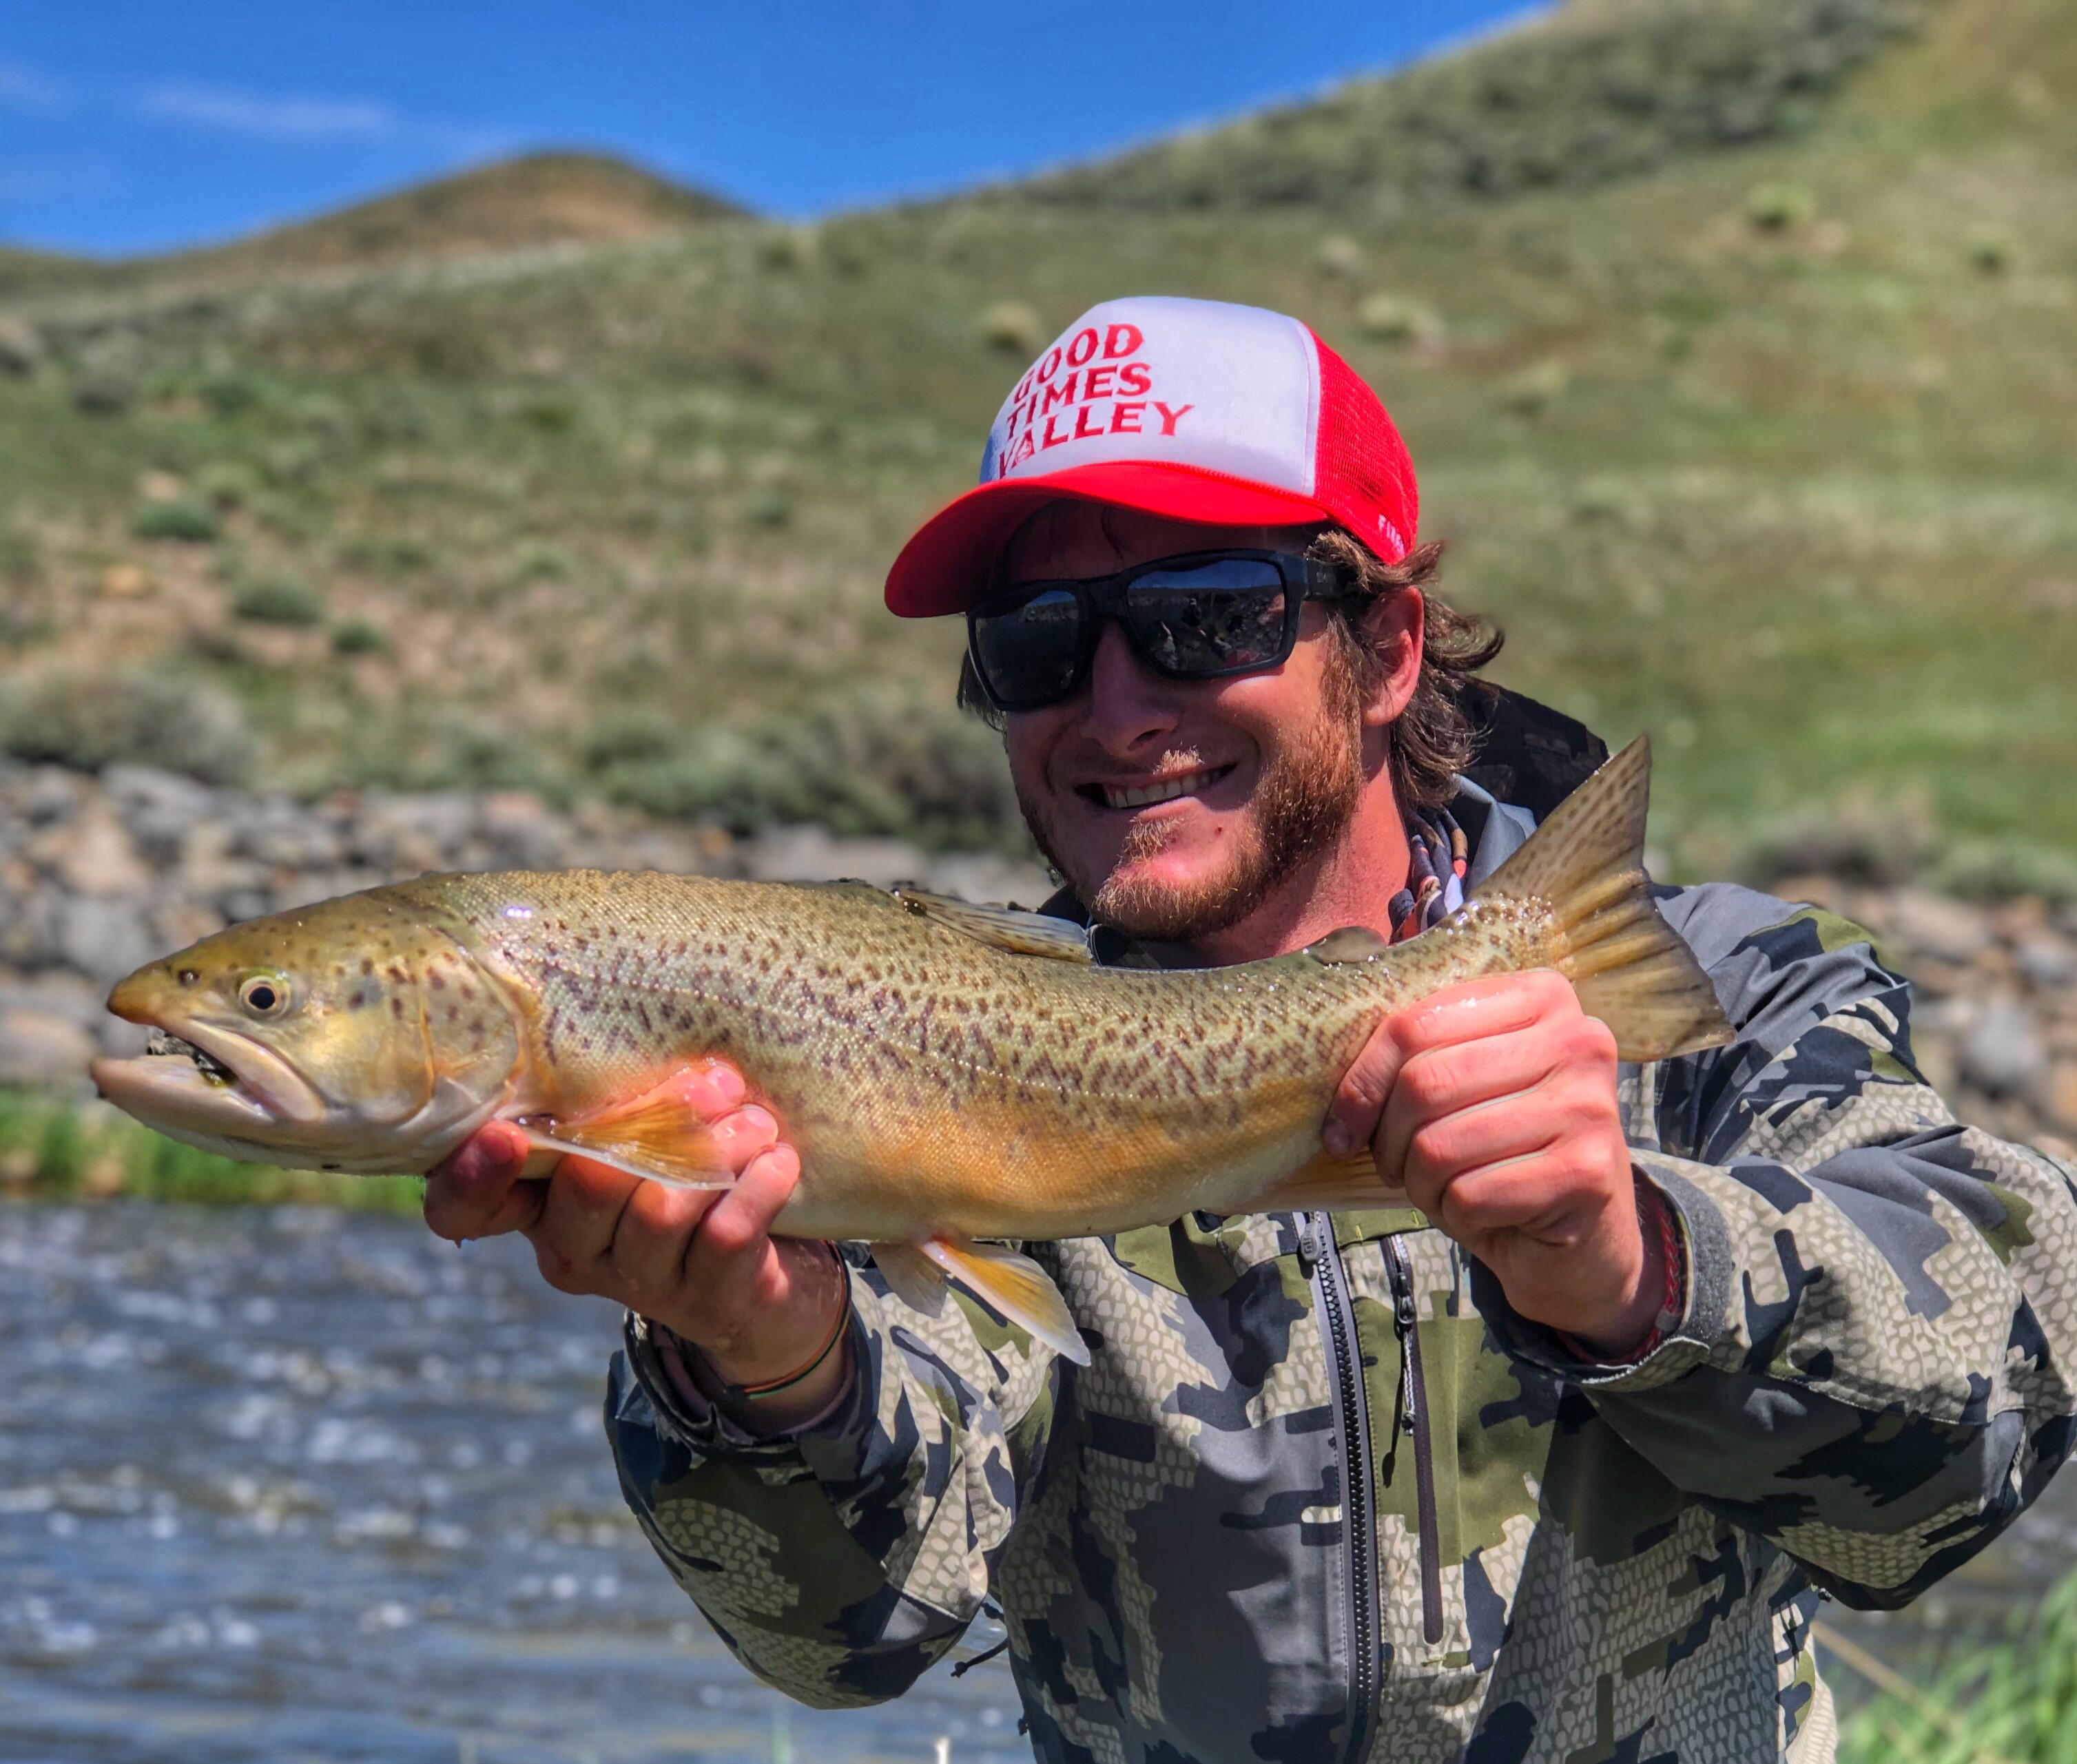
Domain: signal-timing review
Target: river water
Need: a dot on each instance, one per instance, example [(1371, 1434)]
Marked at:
[(288, 1485)]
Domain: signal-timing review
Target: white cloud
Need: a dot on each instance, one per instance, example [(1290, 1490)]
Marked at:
[(23, 89), (313, 121)]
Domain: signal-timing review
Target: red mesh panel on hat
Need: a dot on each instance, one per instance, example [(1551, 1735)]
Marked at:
[(1361, 471)]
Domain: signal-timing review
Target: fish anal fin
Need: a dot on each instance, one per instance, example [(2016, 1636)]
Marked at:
[(1006, 927), (1329, 1184), (1016, 1286), (1352, 943), (658, 1133), (911, 1276)]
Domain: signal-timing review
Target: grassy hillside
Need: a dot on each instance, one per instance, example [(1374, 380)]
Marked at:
[(1764, 439)]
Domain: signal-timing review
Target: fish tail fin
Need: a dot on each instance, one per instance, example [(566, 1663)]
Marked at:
[(1585, 865)]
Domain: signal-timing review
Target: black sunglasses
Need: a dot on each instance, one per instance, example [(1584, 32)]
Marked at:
[(1204, 615)]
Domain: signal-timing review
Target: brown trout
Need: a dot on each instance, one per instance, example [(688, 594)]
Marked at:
[(949, 1073)]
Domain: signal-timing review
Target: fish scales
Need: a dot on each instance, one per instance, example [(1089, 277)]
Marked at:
[(904, 1055), (943, 1076)]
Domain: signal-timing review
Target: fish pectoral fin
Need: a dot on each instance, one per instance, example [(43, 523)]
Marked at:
[(658, 1135), (1016, 1286), (911, 1276), (1329, 1184), (1006, 927), (1352, 943)]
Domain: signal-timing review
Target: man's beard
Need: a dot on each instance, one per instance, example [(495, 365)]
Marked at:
[(1303, 801)]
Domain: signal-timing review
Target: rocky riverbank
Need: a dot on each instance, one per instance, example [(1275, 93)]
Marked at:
[(100, 872)]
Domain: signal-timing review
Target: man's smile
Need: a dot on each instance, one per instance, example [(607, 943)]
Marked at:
[(1142, 796)]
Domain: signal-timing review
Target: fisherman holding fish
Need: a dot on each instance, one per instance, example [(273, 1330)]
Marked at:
[(1466, 1303)]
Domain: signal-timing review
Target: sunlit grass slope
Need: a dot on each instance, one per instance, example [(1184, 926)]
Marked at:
[(1762, 438)]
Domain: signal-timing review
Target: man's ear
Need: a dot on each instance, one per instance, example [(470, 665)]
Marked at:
[(1393, 626)]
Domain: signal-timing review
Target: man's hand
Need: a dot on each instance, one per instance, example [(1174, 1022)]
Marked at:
[(1493, 1104), (701, 1263)]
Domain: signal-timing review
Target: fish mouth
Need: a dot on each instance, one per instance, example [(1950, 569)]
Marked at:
[(206, 1077), (1155, 791)]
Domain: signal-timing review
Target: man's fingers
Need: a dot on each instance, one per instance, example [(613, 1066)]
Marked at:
[(742, 1134), (1469, 1012), (578, 1221), (1445, 1081), (477, 1191), (1515, 1197), (1358, 1103), (650, 1237), (727, 1258)]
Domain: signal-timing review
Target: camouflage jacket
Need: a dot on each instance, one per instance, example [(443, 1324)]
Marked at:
[(1321, 1496)]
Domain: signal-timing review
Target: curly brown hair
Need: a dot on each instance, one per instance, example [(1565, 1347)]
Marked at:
[(1432, 739)]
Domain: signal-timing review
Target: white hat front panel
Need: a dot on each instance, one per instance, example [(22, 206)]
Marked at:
[(1199, 382)]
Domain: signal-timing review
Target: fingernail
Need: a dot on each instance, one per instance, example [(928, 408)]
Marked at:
[(757, 1121), (1336, 1139)]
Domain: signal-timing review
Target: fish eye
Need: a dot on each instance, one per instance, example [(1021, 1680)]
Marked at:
[(264, 995)]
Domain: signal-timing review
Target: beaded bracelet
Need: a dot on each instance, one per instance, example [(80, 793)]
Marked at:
[(751, 1393)]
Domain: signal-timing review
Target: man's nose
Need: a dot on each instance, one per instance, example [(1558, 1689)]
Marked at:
[(1129, 705)]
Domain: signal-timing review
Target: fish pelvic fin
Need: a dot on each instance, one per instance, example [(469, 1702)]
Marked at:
[(657, 1135), (1329, 1184), (911, 1276), (1006, 927), (1013, 1284), (1585, 865)]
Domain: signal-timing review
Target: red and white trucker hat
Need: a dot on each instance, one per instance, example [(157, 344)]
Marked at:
[(1193, 409)]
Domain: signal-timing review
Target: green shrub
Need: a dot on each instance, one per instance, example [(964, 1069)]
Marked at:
[(1775, 208), (358, 637), (176, 518), (878, 761), (1395, 318), (1012, 326), (279, 600), (155, 719), (2011, 1698), (229, 483)]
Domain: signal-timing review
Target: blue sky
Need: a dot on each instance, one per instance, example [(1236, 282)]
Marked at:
[(128, 127)]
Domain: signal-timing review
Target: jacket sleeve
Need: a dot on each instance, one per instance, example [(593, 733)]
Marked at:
[(1873, 1363), (840, 1562)]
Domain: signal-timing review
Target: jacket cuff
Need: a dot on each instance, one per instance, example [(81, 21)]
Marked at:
[(1683, 1333), (689, 1414)]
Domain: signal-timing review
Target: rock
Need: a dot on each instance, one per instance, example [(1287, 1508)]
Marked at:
[(21, 345), (160, 808), (522, 833), (811, 854), (29, 927), (2058, 1095), (103, 939), (1927, 923), (2002, 1052), (98, 857), (125, 582), (982, 876), (41, 1051), (54, 992), (403, 836), (2047, 957)]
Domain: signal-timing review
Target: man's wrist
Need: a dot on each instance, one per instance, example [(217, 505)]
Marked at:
[(1655, 1307)]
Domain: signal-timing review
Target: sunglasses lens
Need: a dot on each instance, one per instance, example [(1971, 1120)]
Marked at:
[(1218, 617), (1027, 655)]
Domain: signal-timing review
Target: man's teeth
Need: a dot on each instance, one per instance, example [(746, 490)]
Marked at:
[(1167, 790)]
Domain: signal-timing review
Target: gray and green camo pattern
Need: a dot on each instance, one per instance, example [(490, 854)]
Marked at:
[(1541, 1557)]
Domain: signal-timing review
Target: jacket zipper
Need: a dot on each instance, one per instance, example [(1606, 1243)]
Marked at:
[(1322, 1260), (1414, 1414)]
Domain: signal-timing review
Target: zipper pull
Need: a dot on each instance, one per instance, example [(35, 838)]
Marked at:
[(1401, 1277), (1309, 1245)]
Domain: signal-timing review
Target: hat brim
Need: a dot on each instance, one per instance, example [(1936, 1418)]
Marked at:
[(950, 561)]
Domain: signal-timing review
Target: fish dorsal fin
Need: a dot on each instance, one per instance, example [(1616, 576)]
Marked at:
[(1585, 867), (1006, 927), (1352, 943), (1328, 1184), (657, 1135), (1013, 1284), (911, 1276)]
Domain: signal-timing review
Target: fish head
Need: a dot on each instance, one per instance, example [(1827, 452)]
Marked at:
[(357, 1035)]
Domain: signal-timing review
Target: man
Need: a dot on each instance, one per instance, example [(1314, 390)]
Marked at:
[(1549, 1462)]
